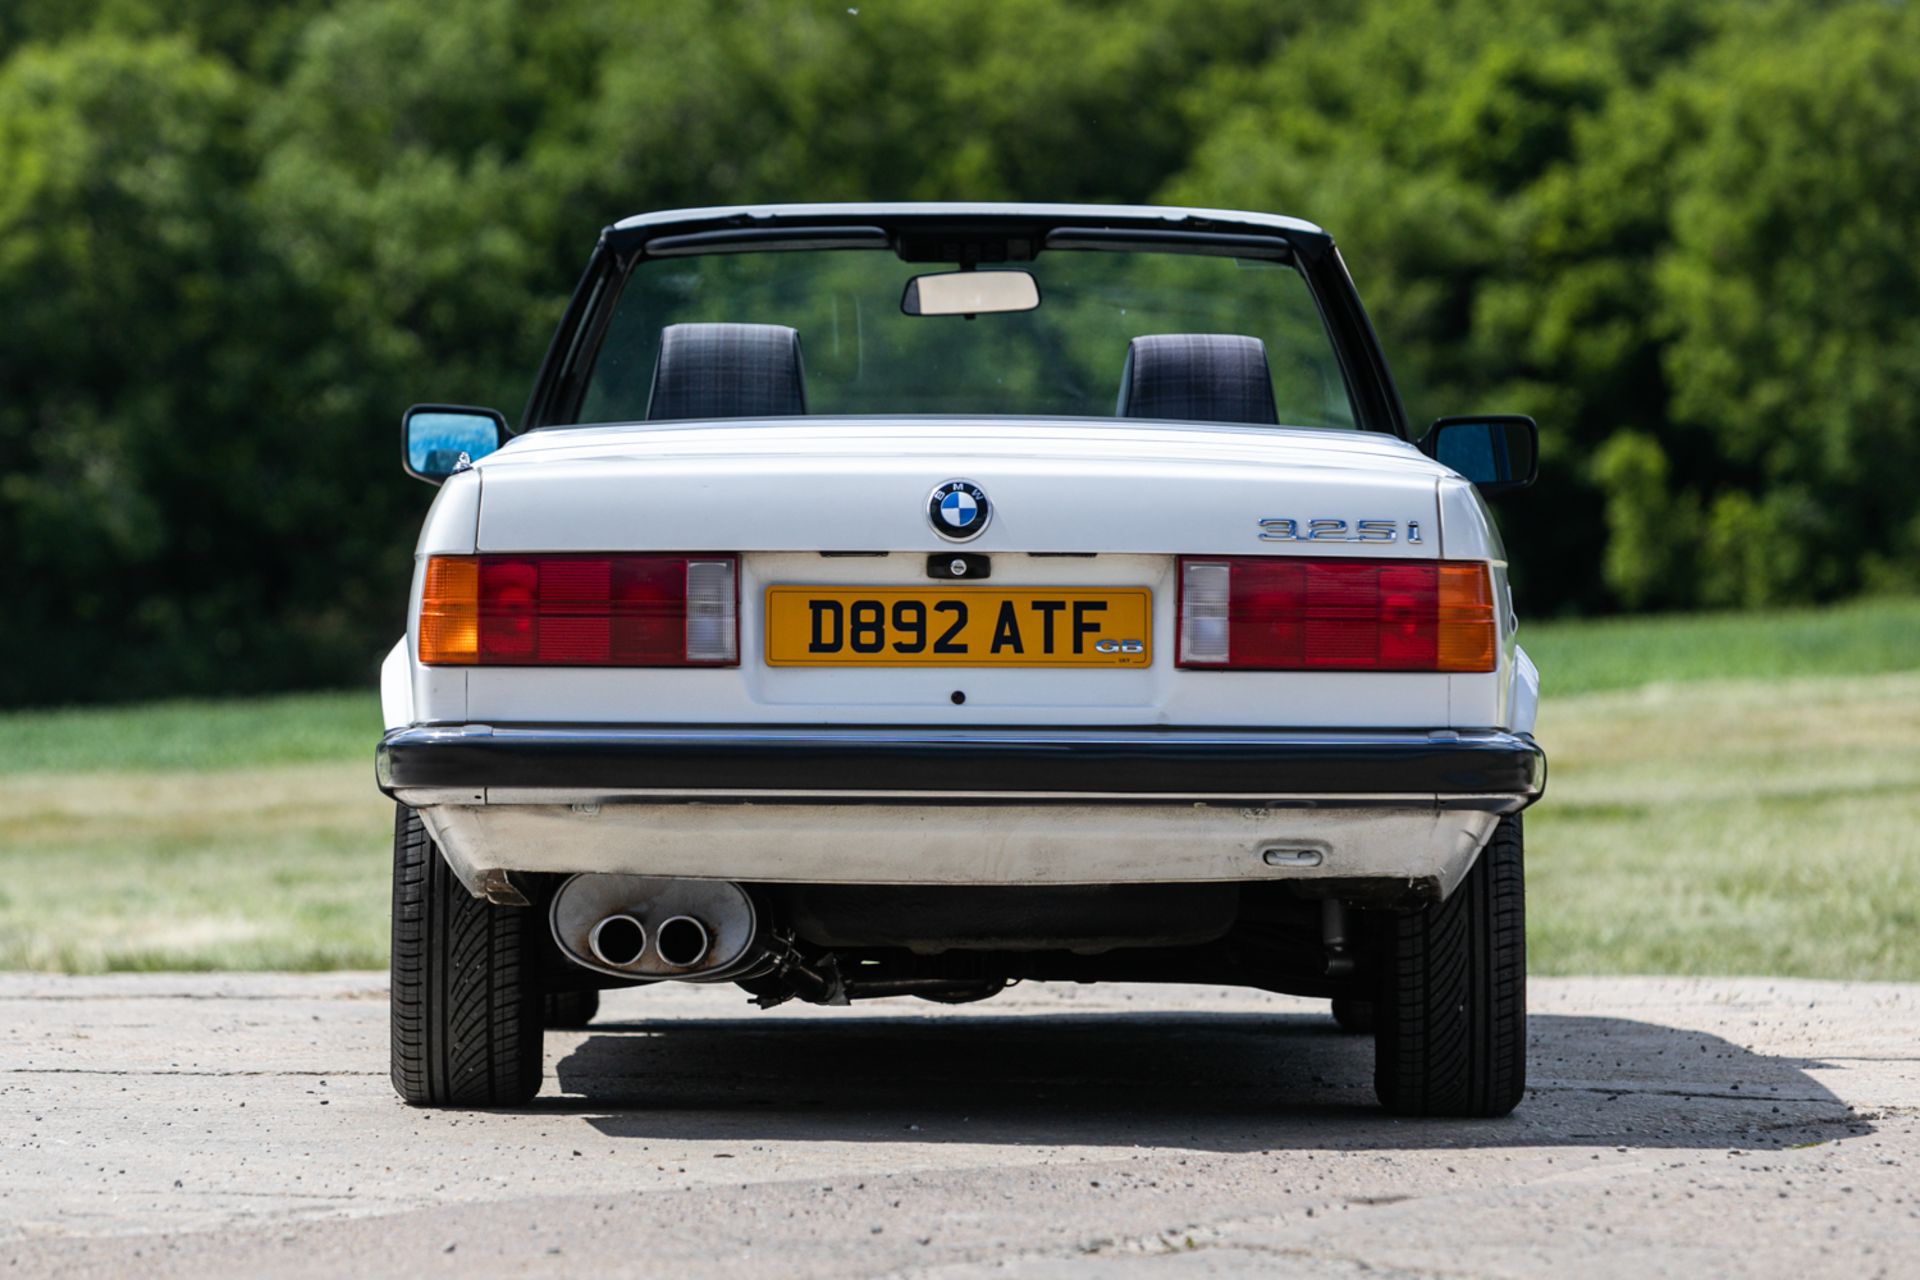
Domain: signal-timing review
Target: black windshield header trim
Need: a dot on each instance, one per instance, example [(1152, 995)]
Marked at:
[(960, 222), (1205, 242), (758, 239)]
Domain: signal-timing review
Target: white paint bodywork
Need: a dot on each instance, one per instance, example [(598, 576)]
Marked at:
[(1077, 503), (1526, 692)]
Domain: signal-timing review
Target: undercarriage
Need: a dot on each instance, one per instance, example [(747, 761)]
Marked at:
[(833, 944)]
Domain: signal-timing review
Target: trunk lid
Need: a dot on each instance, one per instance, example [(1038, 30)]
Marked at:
[(861, 484)]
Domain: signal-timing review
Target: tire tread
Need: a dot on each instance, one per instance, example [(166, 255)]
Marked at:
[(466, 1010), (1451, 1011)]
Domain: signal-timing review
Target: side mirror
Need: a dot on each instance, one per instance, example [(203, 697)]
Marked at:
[(437, 440), (1497, 451)]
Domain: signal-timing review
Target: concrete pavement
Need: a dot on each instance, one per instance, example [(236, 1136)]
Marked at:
[(198, 1126)]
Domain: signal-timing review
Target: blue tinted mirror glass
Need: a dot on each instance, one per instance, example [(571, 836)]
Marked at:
[(1469, 448), (440, 443), (1497, 452)]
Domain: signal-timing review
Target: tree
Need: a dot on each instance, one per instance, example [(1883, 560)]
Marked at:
[(1791, 288), (237, 239), (1688, 231), (137, 368)]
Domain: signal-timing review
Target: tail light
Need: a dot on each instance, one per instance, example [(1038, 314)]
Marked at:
[(1274, 613), (580, 611)]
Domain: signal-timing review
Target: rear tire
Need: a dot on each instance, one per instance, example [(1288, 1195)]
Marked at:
[(466, 1004), (1450, 1018)]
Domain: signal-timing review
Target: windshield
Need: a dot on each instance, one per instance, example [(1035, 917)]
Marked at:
[(1217, 333)]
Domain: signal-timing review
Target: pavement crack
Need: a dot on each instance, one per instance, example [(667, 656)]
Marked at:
[(210, 997), (1328, 1255), (1639, 1091), (151, 1071), (326, 1197)]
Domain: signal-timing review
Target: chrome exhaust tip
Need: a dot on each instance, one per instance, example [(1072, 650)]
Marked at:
[(619, 941), (682, 942)]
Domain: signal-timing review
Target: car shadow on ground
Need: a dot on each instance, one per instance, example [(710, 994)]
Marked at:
[(1207, 1082)]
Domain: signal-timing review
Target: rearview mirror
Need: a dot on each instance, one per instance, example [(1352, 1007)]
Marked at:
[(437, 440), (1497, 451), (970, 293)]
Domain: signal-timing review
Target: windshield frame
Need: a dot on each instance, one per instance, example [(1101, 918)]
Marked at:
[(962, 236)]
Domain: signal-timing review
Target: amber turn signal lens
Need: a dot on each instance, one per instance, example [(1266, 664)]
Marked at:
[(450, 612), (1468, 635)]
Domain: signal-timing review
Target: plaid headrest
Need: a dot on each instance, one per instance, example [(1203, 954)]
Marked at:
[(728, 371), (1197, 377)]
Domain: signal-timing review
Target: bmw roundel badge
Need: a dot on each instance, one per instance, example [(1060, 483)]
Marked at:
[(959, 510)]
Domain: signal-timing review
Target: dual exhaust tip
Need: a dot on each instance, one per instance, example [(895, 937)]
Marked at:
[(620, 941), (656, 929)]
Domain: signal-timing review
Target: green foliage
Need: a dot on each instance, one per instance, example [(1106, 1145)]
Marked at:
[(1792, 288), (1697, 224), (237, 238), (1649, 528)]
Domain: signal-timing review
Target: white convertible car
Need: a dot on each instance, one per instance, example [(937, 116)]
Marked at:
[(914, 599)]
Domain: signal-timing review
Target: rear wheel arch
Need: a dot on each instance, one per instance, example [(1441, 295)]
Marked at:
[(396, 687)]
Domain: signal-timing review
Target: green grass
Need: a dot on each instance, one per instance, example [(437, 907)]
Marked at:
[(243, 834), (1757, 827), (282, 867), (1869, 637), (1729, 794), (303, 728)]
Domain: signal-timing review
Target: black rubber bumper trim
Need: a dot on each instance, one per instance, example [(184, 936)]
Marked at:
[(1081, 763)]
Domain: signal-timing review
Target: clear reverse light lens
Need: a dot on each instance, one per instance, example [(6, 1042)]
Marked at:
[(710, 607), (1203, 611)]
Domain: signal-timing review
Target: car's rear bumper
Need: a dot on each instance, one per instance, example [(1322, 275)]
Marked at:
[(482, 764), (965, 806)]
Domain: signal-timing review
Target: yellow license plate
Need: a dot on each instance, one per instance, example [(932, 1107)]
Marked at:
[(959, 627)]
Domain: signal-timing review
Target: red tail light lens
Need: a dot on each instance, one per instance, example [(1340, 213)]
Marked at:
[(1272, 613), (580, 611)]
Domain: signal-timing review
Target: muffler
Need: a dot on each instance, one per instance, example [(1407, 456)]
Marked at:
[(653, 928)]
